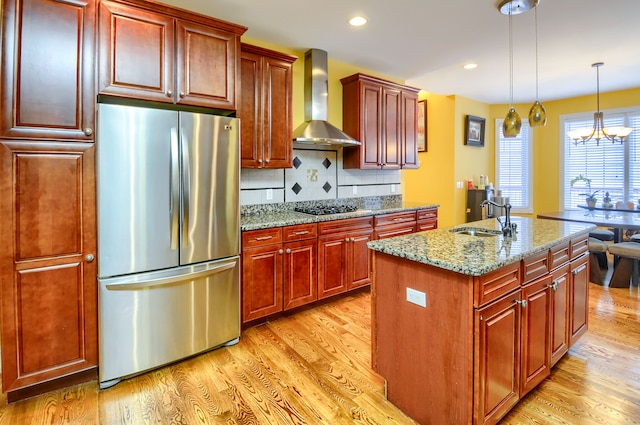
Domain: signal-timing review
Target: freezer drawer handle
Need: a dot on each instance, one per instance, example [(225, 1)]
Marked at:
[(173, 279)]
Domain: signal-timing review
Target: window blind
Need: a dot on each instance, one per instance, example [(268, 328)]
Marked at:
[(513, 167)]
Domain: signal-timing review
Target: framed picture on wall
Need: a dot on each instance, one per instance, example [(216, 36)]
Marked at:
[(422, 126), (474, 131)]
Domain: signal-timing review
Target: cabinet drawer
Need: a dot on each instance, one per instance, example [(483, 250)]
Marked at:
[(391, 230), (394, 218), (300, 232), (262, 237), (559, 255), (579, 246), (535, 266), (428, 214), (495, 284), (345, 225)]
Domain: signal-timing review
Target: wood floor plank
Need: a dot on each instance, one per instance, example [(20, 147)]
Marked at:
[(314, 368)]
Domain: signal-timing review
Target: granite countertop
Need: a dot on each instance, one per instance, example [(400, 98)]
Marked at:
[(475, 255), (287, 218)]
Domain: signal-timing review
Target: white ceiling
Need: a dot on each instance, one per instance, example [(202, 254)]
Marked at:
[(427, 42)]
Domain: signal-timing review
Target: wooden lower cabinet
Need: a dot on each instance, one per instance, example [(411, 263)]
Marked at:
[(279, 269), (560, 312), (48, 272), (344, 260), (394, 224), (579, 297), (427, 219)]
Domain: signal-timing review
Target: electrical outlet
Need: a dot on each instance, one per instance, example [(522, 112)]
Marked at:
[(269, 194), (459, 185), (393, 188), (355, 190), (417, 297)]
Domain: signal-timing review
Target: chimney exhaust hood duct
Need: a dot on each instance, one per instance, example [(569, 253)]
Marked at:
[(316, 129)]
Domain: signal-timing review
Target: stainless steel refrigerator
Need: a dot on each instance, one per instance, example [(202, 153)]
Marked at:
[(168, 236)]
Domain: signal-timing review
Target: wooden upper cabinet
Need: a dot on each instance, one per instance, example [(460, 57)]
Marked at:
[(154, 52), (383, 116), (47, 87), (264, 108)]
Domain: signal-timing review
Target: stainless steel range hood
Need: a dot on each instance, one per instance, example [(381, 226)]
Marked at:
[(316, 129)]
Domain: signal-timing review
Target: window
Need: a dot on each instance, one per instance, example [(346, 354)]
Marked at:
[(513, 167), (607, 167)]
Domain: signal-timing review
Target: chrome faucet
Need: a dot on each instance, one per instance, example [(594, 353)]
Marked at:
[(508, 229)]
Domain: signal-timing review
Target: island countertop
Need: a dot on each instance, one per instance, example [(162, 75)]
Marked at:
[(476, 255)]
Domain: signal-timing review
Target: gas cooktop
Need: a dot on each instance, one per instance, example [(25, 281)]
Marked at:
[(336, 209)]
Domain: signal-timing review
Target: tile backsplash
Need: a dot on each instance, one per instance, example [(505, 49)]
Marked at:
[(317, 174)]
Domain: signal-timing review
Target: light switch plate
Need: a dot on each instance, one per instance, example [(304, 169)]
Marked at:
[(417, 297)]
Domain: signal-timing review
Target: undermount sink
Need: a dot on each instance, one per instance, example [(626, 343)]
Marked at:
[(476, 231)]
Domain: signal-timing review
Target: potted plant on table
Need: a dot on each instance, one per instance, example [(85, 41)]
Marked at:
[(591, 198)]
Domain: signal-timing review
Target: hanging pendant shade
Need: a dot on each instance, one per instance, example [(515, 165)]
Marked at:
[(537, 115), (511, 124)]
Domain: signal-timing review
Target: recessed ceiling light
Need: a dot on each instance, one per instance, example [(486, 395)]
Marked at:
[(358, 21), (471, 66)]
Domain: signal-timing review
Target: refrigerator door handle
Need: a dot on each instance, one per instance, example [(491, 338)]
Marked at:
[(186, 188), (149, 283), (174, 189)]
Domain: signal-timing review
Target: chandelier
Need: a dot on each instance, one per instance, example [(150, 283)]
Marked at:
[(598, 132)]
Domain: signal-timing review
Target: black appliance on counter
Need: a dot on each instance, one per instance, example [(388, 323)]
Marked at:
[(334, 209), (475, 197)]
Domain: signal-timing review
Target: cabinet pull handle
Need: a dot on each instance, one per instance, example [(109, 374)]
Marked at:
[(353, 239), (264, 238), (288, 250), (304, 232), (169, 93), (259, 161), (554, 285), (578, 270), (280, 251), (267, 161), (88, 131), (398, 219), (523, 303), (346, 239), (181, 94)]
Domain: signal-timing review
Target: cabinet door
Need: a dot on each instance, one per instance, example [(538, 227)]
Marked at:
[(560, 313), (261, 281), (535, 357), (332, 271), (390, 143), (277, 114), (579, 301), (49, 288), (47, 85), (370, 126), (359, 261), (206, 66), (250, 110), (497, 359), (300, 273), (136, 53), (409, 144)]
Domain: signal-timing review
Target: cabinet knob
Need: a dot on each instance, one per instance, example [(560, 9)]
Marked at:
[(346, 239), (266, 161), (259, 161), (280, 251), (288, 250), (169, 93), (89, 258), (181, 94), (353, 239), (88, 131)]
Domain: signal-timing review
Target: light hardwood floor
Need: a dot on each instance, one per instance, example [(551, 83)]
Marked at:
[(313, 368)]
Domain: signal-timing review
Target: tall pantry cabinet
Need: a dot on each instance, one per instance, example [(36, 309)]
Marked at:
[(47, 195)]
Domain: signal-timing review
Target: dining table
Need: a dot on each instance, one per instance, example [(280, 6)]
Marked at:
[(618, 220)]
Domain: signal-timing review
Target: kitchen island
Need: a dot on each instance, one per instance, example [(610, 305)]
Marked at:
[(464, 326)]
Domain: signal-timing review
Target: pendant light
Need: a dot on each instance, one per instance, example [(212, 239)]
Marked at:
[(537, 113), (613, 134), (512, 122)]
